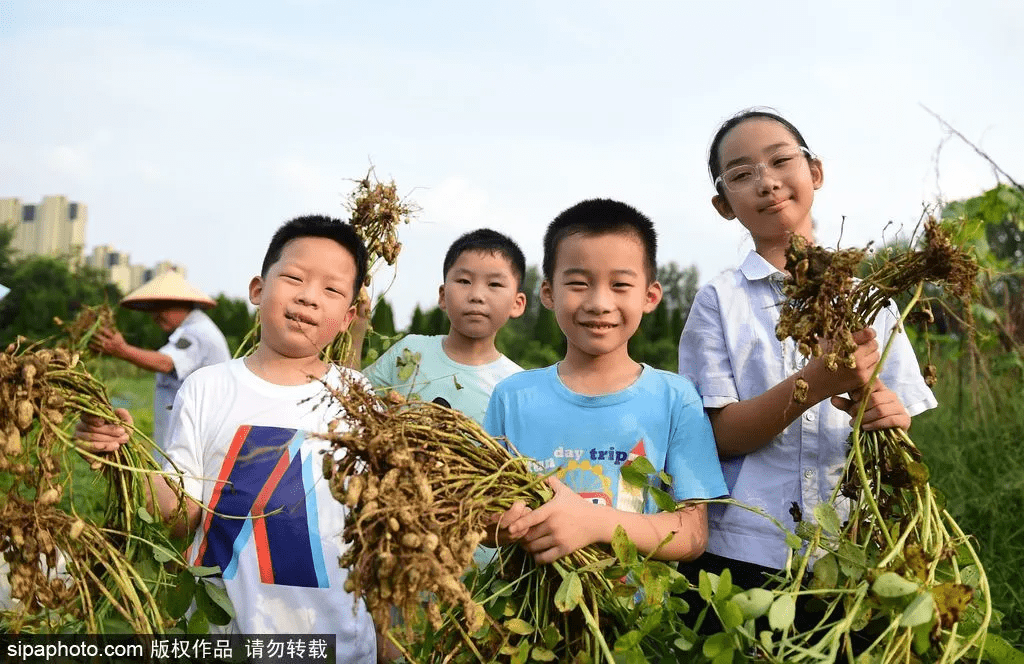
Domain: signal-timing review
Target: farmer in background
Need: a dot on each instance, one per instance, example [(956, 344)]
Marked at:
[(195, 340)]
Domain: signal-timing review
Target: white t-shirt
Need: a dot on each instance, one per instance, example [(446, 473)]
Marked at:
[(243, 448), (197, 342), (439, 378), (729, 350)]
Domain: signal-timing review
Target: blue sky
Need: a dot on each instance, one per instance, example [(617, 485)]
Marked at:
[(193, 129)]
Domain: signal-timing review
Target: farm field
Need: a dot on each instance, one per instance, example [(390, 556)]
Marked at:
[(971, 444)]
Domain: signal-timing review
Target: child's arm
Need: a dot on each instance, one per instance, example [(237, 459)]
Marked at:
[(569, 522), (98, 435), (745, 426)]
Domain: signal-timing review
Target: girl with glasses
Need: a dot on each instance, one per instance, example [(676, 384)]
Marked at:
[(777, 454)]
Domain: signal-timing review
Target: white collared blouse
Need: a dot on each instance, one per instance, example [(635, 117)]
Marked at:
[(729, 350)]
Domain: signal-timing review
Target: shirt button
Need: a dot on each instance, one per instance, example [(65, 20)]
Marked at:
[(809, 416), (809, 473)]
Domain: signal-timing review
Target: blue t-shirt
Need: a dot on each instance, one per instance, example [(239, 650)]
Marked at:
[(589, 438)]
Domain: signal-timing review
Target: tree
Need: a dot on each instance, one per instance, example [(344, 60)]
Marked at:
[(233, 317), (43, 288)]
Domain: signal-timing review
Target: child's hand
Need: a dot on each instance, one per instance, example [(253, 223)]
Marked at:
[(97, 435), (556, 528), (828, 383), (497, 531), (884, 409), (361, 321)]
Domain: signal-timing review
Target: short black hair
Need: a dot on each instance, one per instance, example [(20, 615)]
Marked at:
[(319, 225), (756, 113), (601, 216), (485, 239)]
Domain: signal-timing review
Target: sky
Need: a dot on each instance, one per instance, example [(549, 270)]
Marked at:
[(192, 129)]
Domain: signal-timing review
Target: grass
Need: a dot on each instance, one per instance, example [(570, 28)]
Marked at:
[(972, 446)]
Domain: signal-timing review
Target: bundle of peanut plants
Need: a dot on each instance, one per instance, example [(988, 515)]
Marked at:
[(895, 578), (422, 483), (70, 572)]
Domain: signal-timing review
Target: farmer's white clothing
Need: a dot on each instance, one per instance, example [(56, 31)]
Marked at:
[(439, 378), (729, 349), (197, 342), (245, 447), (590, 438)]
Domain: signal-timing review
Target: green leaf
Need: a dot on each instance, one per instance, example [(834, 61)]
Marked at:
[(179, 598), (826, 572), (569, 593), (665, 477), (919, 611), (753, 603), (220, 598), (632, 656), (518, 626), (717, 644), (793, 541), (523, 654), (551, 636), (852, 560), (162, 555), (999, 651), (198, 624), (684, 643), (827, 518), (782, 612), (663, 500), (144, 514), (732, 615), (597, 566), (891, 584), (541, 654), (633, 477), (704, 586), (724, 657), (210, 607), (204, 571), (724, 586), (643, 465), (629, 640), (624, 549)]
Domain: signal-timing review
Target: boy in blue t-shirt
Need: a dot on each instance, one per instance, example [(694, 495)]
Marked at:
[(598, 410)]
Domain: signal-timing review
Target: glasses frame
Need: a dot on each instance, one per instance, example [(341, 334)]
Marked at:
[(760, 168)]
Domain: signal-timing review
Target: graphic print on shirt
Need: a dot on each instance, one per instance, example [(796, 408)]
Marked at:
[(585, 474), (264, 472)]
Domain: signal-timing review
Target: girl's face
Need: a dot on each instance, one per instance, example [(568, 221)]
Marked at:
[(776, 200)]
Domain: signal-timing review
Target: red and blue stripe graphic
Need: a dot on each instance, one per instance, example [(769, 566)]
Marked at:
[(265, 497)]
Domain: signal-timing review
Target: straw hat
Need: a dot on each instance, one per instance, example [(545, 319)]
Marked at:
[(169, 288)]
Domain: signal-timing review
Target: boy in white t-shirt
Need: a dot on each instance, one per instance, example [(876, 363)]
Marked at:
[(482, 290), (239, 436)]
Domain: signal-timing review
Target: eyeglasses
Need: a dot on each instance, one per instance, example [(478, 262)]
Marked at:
[(743, 177)]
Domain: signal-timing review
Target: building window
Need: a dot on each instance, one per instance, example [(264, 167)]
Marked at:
[(28, 213), (73, 211)]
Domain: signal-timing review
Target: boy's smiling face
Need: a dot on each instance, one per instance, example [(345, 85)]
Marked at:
[(480, 293), (599, 291), (305, 300)]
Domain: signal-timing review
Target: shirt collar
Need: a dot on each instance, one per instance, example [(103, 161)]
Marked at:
[(755, 268)]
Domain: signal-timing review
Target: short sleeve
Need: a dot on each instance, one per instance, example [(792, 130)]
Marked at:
[(186, 352), (182, 448), (703, 353), (692, 458), (382, 373), (494, 419)]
